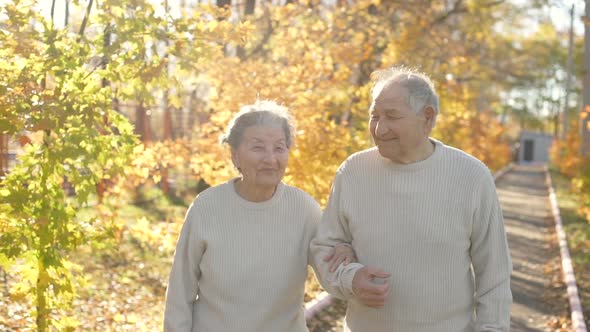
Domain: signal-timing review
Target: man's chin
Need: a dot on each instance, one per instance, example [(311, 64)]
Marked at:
[(385, 152)]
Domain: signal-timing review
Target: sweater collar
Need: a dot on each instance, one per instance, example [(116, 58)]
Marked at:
[(231, 191), (422, 164)]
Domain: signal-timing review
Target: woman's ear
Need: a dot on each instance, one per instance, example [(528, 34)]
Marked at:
[(234, 159)]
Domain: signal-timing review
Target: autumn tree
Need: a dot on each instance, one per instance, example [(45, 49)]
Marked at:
[(318, 59), (62, 88)]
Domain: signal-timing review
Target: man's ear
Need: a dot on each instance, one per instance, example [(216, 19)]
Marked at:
[(429, 116)]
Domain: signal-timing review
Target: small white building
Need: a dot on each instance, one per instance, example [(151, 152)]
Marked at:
[(534, 147)]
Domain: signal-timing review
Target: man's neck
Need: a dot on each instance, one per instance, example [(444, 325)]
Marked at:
[(424, 151)]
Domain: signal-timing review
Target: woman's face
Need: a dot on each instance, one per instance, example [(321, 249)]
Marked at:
[(262, 156)]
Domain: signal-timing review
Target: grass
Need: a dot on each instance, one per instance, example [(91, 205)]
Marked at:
[(578, 235)]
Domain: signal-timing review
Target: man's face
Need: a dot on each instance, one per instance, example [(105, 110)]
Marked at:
[(398, 132)]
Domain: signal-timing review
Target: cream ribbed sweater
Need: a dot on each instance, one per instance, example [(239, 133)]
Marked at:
[(425, 223), (246, 261)]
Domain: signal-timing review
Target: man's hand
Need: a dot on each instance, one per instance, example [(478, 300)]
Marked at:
[(370, 286), (340, 253)]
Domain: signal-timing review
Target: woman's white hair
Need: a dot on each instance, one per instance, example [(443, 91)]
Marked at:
[(261, 113)]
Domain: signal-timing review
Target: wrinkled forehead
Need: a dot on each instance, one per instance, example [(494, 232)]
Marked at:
[(265, 133), (272, 129)]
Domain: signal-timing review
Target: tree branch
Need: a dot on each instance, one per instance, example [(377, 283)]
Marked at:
[(267, 34), (85, 20)]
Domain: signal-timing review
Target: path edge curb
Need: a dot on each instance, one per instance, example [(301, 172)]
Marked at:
[(503, 171), (577, 314)]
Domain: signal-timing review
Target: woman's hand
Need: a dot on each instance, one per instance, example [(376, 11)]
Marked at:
[(342, 252)]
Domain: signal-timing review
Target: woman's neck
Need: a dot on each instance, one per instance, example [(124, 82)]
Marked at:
[(254, 193)]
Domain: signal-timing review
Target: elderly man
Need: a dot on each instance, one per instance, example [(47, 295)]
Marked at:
[(424, 220)]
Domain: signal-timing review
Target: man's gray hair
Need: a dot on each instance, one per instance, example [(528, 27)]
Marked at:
[(262, 113), (421, 92)]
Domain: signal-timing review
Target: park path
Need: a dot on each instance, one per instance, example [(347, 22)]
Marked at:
[(540, 302), (540, 297)]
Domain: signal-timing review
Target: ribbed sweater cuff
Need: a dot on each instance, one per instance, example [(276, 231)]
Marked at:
[(347, 276)]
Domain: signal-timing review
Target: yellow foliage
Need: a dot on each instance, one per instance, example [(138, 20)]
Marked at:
[(148, 161), (565, 154), (299, 72), (480, 135), (317, 65)]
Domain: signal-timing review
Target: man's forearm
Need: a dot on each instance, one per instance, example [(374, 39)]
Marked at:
[(493, 309)]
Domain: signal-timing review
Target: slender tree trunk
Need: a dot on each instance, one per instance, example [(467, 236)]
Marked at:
[(42, 319), (42, 284), (142, 123), (84, 20), (250, 5), (223, 3), (52, 11), (101, 186), (248, 10), (67, 16), (585, 112), (3, 154), (566, 104), (4, 282), (167, 112), (167, 125)]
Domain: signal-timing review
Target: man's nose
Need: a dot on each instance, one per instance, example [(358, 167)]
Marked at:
[(380, 128)]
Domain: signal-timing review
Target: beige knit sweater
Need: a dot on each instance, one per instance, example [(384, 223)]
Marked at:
[(436, 226), (246, 262)]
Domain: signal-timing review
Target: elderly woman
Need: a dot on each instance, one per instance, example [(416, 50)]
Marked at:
[(242, 255)]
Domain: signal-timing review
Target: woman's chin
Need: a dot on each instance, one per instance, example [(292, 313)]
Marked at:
[(268, 181)]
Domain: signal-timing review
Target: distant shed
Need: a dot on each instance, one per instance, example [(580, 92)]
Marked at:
[(534, 147)]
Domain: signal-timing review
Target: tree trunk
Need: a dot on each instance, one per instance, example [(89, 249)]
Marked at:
[(585, 111), (141, 123), (3, 154), (67, 15), (566, 104), (167, 137), (101, 186), (248, 10), (42, 318), (223, 3)]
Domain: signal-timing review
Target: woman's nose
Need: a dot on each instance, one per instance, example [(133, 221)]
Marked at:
[(269, 156)]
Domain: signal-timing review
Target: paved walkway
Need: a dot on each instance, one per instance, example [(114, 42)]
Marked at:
[(539, 296)]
